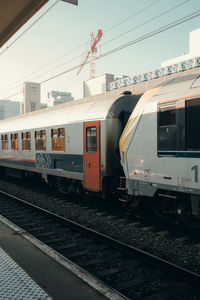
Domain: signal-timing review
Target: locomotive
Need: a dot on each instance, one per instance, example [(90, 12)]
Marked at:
[(139, 149), (160, 147)]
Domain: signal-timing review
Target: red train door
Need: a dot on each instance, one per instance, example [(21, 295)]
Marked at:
[(91, 155)]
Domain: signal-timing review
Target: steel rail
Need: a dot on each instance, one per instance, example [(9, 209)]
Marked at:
[(177, 272)]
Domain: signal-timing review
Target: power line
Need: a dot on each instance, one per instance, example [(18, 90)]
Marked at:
[(109, 29), (131, 16), (18, 85), (62, 73), (42, 67), (123, 46), (15, 94), (148, 35), (29, 27), (70, 60), (153, 33), (146, 22)]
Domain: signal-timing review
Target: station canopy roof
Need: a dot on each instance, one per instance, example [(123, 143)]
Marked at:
[(15, 13)]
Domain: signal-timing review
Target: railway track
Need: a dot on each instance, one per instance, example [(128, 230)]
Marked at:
[(133, 273)]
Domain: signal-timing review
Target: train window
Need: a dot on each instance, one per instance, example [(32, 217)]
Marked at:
[(4, 139), (58, 139), (61, 132), (54, 133), (43, 134), (37, 134), (91, 140), (192, 124), (14, 141), (40, 140), (26, 141), (167, 127), (167, 115)]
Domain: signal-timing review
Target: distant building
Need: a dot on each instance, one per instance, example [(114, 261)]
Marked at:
[(194, 49), (56, 97), (31, 101), (43, 105), (9, 109), (96, 85)]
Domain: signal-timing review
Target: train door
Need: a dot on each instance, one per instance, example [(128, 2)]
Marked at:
[(91, 156)]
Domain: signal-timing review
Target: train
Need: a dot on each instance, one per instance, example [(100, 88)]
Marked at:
[(135, 149)]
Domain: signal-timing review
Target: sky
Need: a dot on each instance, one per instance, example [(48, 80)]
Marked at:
[(59, 41)]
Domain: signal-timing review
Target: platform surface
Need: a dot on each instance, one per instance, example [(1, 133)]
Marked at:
[(36, 268), (15, 283)]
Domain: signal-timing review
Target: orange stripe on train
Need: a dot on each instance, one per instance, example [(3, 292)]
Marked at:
[(16, 158)]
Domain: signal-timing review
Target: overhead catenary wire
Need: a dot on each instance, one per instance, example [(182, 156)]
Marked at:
[(148, 35), (146, 22), (131, 16), (10, 96), (153, 33), (19, 84), (135, 41), (106, 31), (136, 27), (163, 28), (29, 27), (42, 67), (56, 67)]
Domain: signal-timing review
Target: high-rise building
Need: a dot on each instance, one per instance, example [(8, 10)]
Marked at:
[(9, 109), (31, 101), (43, 105)]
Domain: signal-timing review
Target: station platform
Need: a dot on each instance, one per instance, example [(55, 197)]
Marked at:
[(31, 270)]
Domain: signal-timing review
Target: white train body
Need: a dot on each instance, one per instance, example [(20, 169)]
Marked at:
[(160, 145), (53, 142)]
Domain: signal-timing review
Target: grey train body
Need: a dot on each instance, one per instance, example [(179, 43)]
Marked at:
[(68, 142)]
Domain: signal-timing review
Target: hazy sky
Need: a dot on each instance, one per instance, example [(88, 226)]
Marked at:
[(67, 27)]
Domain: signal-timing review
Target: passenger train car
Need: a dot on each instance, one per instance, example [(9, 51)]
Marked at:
[(72, 146), (160, 147), (88, 145)]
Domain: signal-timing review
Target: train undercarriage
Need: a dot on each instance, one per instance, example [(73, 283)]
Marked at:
[(178, 207)]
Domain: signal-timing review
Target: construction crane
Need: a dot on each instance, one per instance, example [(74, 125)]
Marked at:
[(91, 53)]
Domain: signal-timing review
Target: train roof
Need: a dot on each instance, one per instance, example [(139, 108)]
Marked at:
[(87, 109), (178, 87)]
